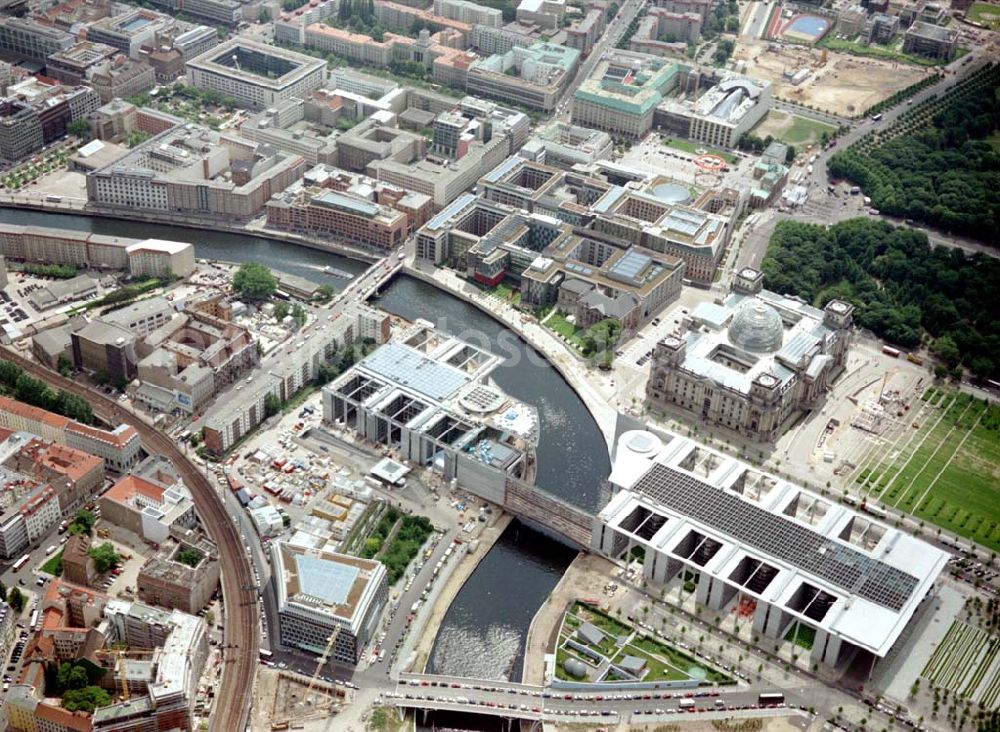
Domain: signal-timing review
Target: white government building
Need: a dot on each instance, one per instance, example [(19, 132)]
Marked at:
[(768, 548)]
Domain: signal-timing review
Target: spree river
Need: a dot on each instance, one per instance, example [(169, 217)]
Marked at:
[(483, 632)]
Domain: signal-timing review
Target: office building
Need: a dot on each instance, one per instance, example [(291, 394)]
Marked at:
[(350, 218), (533, 77), (431, 397), (192, 171), (20, 130), (105, 348), (121, 77), (754, 362), (73, 65), (562, 145), (27, 38), (932, 41), (119, 447), (256, 74), (165, 581), (792, 563), (622, 93), (131, 31), (469, 12), (147, 508), (323, 597)]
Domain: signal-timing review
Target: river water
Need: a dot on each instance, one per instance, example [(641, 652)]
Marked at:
[(483, 632)]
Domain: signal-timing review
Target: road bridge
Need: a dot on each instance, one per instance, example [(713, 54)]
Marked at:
[(536, 504), (538, 703)]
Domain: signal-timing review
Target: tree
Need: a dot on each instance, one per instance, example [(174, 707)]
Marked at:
[(63, 365), (299, 315), (946, 349), (733, 24), (105, 557), (272, 405), (86, 699), (83, 523), (264, 15), (790, 154), (79, 128), (254, 282), (190, 557), (325, 292), (280, 310), (71, 676), (15, 599)]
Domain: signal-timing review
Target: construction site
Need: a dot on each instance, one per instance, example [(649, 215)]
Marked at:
[(833, 82), (284, 697)]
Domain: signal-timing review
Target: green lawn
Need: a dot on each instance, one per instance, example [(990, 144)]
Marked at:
[(802, 635), (986, 13), (506, 293), (656, 670), (877, 50), (54, 564), (692, 147), (558, 323), (676, 658), (605, 622), (965, 498), (805, 130)]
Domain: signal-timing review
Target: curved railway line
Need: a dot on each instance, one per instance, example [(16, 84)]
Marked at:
[(240, 639)]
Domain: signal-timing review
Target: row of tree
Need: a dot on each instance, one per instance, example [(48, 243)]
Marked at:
[(905, 290), (945, 175), (35, 392)]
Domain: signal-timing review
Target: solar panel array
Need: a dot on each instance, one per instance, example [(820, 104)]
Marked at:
[(778, 536)]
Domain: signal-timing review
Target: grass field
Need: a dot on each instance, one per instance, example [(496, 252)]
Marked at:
[(986, 13), (791, 128), (558, 323), (946, 468), (53, 565), (691, 147)]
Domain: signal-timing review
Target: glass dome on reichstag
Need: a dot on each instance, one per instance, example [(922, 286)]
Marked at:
[(756, 327)]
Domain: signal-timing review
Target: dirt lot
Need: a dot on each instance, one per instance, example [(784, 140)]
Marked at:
[(844, 85), (281, 696)]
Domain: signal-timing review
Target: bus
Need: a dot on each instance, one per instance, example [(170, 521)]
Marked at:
[(770, 699), (34, 618), (890, 351), (21, 562), (877, 117), (687, 704)]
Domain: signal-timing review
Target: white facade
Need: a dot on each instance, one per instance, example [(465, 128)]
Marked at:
[(751, 540)]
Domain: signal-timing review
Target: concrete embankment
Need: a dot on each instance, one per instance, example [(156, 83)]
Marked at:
[(425, 627), (324, 245)]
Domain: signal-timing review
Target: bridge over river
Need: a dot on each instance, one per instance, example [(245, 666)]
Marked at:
[(548, 704)]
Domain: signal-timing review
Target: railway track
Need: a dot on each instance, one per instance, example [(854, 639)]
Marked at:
[(241, 651)]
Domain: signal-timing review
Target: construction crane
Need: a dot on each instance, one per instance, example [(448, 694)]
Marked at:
[(119, 655), (326, 705)]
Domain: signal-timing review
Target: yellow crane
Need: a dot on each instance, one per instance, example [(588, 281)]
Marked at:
[(119, 654)]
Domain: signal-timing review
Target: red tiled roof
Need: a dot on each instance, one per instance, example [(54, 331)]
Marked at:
[(132, 485)]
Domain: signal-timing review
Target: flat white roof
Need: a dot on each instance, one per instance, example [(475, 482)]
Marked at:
[(158, 245), (873, 586)]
